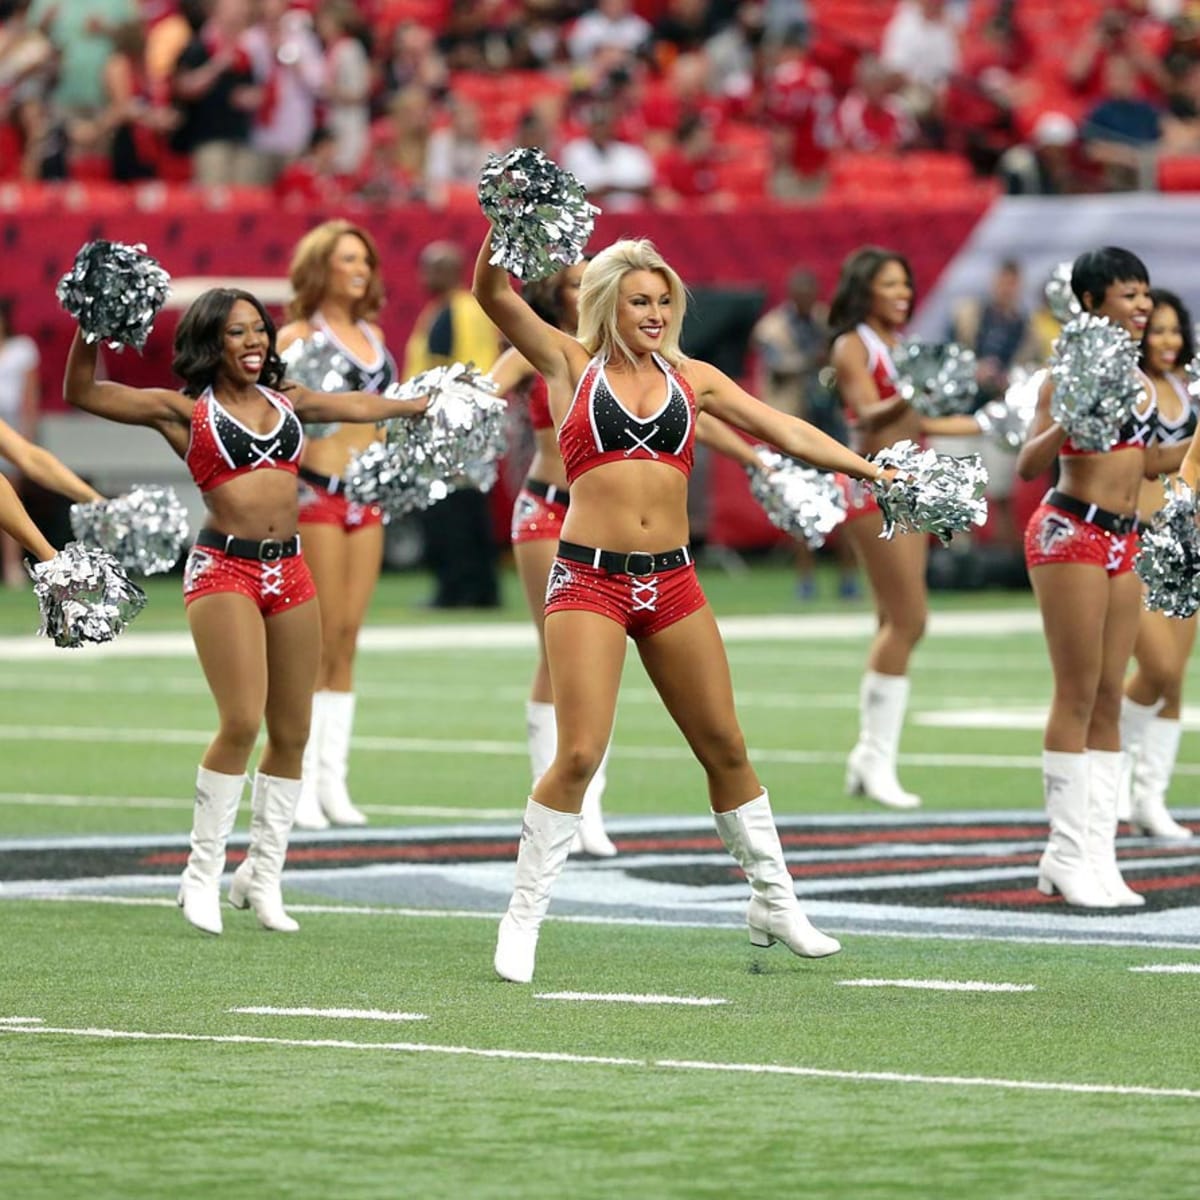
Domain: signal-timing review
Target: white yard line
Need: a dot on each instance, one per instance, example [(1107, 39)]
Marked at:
[(939, 985), (632, 998), (887, 1077), (335, 1014), (1170, 969)]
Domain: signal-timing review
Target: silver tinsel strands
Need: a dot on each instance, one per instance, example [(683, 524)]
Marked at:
[(932, 493), (801, 501), (1168, 562), (317, 364), (1006, 421), (84, 596), (1096, 384), (114, 291), (540, 215), (145, 529), (936, 378), (1060, 300), (456, 443)]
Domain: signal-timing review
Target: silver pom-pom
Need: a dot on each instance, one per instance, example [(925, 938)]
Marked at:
[(801, 501), (931, 493), (146, 529), (1168, 562), (936, 378), (84, 596), (114, 291), (540, 215), (456, 443), (1006, 421), (1060, 300), (1096, 383), (317, 364)]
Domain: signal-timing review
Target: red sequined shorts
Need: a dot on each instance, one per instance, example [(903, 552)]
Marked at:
[(538, 512), (1055, 536), (860, 497), (323, 504), (642, 604), (275, 586)]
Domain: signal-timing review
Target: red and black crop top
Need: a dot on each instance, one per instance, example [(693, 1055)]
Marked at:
[(879, 364), (1135, 433), (539, 404), (221, 447), (599, 429)]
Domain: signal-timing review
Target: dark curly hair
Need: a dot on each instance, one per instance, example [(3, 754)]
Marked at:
[(200, 340), (852, 298)]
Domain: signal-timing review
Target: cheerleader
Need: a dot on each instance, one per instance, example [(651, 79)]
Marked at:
[(337, 292), (1151, 707)]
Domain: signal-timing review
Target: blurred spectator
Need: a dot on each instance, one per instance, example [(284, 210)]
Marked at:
[(685, 25), (1046, 164), (997, 328), (690, 169), (784, 18), (799, 100), (458, 530), (414, 59), (289, 64), (733, 53), (27, 62), (871, 118), (534, 130), (394, 168), (1181, 121), (347, 83), (19, 401), (1119, 33), (1122, 130), (537, 39), (134, 124), (310, 180), (611, 25), (920, 43), (81, 32), (213, 83), (617, 174), (682, 92), (475, 35), (456, 152)]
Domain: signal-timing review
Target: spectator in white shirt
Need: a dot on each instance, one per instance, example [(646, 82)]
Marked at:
[(457, 151), (921, 43), (618, 175), (347, 84), (611, 25)]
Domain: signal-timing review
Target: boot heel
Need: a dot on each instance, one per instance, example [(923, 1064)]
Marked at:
[(854, 783), (1045, 886), (238, 897), (760, 938)]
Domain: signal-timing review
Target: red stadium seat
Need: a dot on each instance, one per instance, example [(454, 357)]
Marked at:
[(1179, 173)]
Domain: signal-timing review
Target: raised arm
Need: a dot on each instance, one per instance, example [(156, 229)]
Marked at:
[(43, 468), (1044, 438), (857, 388), (159, 408), (17, 523), (548, 351), (719, 395)]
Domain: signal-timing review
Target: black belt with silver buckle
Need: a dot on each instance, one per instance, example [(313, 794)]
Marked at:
[(618, 562), (329, 483), (268, 550), (550, 492), (1110, 522)]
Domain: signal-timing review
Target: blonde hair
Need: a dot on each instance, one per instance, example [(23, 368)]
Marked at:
[(599, 290), (309, 272)]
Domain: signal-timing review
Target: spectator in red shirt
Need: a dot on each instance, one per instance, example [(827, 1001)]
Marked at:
[(800, 99), (690, 169), (871, 118)]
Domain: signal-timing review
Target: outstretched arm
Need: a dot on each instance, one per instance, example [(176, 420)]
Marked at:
[(354, 408), (17, 523), (723, 398), (43, 468), (716, 435), (548, 351)]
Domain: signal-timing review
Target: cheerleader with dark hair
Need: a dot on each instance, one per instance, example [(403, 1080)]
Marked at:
[(237, 425)]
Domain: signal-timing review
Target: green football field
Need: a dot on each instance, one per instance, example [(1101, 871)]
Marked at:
[(968, 1042)]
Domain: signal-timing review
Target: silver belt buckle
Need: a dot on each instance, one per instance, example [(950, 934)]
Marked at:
[(270, 550), (642, 556)]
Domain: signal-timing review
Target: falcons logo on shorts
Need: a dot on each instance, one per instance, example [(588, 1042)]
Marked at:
[(197, 563), (1054, 529), (560, 577)]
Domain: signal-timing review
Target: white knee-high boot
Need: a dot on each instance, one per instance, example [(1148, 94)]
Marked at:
[(1135, 718), (308, 807), (542, 734), (337, 723), (1151, 778), (871, 767), (1105, 768), (546, 837), (774, 915), (256, 883), (1064, 866), (591, 837), (213, 815)]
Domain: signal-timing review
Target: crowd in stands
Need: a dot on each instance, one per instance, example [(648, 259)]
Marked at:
[(665, 102)]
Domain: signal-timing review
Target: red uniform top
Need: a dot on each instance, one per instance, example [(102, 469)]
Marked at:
[(220, 447), (599, 429), (880, 365), (539, 404)]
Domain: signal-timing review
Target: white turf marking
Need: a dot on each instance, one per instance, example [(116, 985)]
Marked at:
[(1170, 969), (632, 998), (337, 1014), (21, 1021), (1029, 1085), (939, 985), (1031, 717)]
